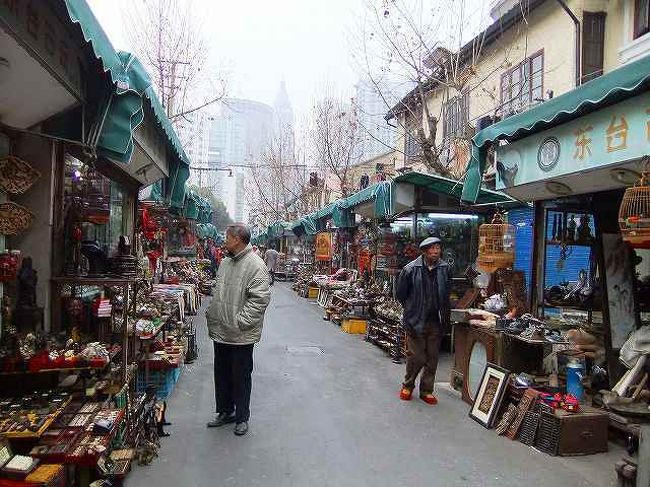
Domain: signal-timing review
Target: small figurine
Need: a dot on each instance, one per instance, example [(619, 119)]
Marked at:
[(571, 230), (584, 230), (27, 280)]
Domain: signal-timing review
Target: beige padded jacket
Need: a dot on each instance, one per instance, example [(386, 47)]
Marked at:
[(239, 299)]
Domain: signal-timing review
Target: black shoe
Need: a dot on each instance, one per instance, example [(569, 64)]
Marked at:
[(221, 419), (241, 428)]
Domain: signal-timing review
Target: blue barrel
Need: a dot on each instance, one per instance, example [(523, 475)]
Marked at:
[(574, 374)]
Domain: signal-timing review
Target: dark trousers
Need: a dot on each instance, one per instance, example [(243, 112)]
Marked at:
[(272, 276), (422, 355), (233, 365)]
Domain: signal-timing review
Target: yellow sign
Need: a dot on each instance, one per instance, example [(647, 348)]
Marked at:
[(324, 246)]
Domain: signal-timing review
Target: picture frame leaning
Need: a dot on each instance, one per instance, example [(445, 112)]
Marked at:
[(490, 393)]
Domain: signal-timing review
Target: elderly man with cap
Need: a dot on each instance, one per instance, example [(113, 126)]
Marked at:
[(423, 290)]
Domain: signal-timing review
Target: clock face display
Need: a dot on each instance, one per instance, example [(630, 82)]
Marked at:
[(548, 153)]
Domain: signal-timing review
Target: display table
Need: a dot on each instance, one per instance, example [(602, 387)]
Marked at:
[(475, 346)]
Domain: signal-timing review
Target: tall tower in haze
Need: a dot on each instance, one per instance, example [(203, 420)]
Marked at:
[(283, 117)]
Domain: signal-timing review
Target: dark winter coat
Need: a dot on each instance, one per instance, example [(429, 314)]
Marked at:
[(411, 293)]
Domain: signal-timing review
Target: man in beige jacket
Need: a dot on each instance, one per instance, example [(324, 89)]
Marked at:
[(235, 317)]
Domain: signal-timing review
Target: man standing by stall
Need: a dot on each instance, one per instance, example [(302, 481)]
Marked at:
[(235, 317), (423, 290)]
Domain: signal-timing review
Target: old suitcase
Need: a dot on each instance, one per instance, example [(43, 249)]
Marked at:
[(566, 434)]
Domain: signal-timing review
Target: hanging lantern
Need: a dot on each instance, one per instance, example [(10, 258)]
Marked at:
[(634, 213), (496, 247)]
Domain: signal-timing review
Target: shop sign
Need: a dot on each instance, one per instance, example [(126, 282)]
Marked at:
[(324, 246), (34, 24), (612, 135)]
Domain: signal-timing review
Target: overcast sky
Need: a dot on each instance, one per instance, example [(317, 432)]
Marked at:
[(261, 42)]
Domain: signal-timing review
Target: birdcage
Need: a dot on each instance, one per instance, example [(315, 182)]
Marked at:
[(496, 248), (634, 213)]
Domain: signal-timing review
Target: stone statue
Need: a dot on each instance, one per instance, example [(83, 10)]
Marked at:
[(27, 280)]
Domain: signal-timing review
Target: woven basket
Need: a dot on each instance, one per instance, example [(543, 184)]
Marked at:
[(14, 218), (16, 176)]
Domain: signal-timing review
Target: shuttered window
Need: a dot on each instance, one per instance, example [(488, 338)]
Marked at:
[(593, 44), (641, 17), (456, 116), (523, 85)]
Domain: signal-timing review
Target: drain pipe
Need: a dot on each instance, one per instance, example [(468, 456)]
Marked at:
[(576, 23)]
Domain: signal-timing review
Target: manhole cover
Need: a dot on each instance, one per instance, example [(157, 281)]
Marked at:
[(305, 350)]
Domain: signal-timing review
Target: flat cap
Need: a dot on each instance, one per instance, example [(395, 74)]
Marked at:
[(429, 241)]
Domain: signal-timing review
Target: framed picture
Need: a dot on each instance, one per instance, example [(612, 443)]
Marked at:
[(490, 394)]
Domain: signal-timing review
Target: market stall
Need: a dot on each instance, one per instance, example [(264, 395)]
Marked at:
[(590, 259), (76, 302)]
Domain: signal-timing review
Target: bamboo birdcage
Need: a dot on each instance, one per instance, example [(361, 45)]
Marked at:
[(496, 247), (634, 213)]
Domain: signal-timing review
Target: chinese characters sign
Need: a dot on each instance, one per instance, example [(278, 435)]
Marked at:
[(608, 136), (50, 40)]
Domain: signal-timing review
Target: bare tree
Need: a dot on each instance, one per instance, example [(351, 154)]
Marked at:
[(274, 188), (334, 139), (420, 46), (167, 37)]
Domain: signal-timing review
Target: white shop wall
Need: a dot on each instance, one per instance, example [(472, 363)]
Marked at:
[(36, 241)]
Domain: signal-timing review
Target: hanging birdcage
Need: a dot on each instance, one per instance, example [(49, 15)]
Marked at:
[(496, 245), (634, 213)]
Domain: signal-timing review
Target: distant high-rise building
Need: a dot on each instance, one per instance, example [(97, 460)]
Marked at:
[(376, 137), (237, 134), (283, 117)]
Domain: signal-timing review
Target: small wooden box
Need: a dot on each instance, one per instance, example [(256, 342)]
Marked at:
[(569, 434), (354, 326), (312, 292)]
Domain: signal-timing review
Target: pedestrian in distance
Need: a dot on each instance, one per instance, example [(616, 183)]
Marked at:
[(235, 317), (271, 261), (423, 290)]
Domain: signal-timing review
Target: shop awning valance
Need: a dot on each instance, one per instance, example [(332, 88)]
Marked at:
[(124, 110), (80, 13), (450, 187), (207, 230), (379, 192), (306, 225), (622, 83)]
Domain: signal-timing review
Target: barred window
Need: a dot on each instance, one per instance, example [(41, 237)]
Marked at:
[(523, 85), (456, 116)]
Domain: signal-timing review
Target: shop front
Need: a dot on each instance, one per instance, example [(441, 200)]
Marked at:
[(81, 132), (582, 159)]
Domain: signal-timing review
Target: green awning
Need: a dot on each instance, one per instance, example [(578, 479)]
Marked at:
[(379, 192), (450, 187), (132, 86), (191, 206), (613, 87), (307, 225), (277, 229), (80, 13), (326, 211)]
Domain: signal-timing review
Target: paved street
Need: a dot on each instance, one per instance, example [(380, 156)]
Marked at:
[(334, 419)]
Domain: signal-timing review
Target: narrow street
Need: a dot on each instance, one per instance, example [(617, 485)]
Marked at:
[(325, 412)]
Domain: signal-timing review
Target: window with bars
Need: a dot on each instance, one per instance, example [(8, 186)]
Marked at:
[(593, 44), (412, 147), (641, 17), (456, 116), (523, 85)]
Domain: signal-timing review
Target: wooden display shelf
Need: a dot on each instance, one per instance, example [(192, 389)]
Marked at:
[(37, 434), (63, 369)]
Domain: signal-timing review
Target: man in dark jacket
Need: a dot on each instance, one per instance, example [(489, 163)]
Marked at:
[(423, 290)]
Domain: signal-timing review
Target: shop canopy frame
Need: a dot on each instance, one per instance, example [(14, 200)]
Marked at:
[(613, 87), (124, 110), (453, 189)]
